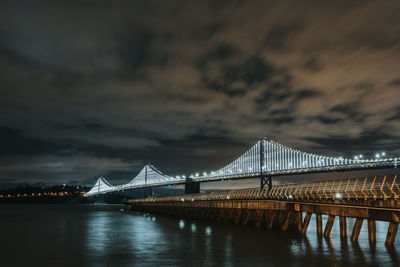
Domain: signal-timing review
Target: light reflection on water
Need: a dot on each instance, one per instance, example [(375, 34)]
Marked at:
[(104, 236)]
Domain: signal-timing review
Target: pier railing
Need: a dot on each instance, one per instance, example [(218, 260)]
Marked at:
[(377, 187)]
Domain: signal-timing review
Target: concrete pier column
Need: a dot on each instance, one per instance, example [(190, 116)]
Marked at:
[(329, 225), (356, 230)]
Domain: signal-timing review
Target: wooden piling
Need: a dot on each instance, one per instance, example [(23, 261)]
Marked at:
[(247, 217), (304, 226), (286, 221), (259, 218), (329, 225), (238, 215), (271, 220), (391, 234), (221, 215), (319, 224), (229, 215), (356, 230), (343, 227), (371, 232)]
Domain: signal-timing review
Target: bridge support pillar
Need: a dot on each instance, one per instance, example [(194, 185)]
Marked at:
[(319, 224), (329, 225), (356, 229), (266, 181), (306, 221), (191, 187), (391, 234), (372, 232), (343, 227)]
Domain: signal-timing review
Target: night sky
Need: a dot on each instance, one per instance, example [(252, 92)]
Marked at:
[(103, 87)]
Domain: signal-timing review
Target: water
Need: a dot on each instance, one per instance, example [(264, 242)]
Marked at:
[(90, 235)]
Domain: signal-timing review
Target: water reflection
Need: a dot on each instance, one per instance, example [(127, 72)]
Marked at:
[(208, 230), (101, 236), (193, 227), (181, 224), (97, 232)]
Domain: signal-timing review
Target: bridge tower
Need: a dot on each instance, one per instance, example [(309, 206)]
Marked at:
[(148, 191), (266, 180)]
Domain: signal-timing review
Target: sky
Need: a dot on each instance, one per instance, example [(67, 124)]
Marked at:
[(100, 88)]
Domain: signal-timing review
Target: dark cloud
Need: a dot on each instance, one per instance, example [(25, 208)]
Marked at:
[(90, 89), (278, 37)]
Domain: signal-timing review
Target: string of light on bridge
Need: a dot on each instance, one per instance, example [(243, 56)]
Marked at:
[(266, 157)]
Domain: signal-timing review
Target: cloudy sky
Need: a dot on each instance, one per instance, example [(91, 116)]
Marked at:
[(103, 87)]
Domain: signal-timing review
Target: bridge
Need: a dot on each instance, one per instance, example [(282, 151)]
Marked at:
[(284, 207), (263, 160)]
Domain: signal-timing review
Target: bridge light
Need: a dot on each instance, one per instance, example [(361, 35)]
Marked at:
[(383, 154), (227, 197), (290, 196), (360, 156), (197, 175), (183, 176), (182, 199), (204, 174), (192, 199), (377, 156), (338, 195)]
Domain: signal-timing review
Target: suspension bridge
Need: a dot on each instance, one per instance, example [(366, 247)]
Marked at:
[(263, 160), (283, 207)]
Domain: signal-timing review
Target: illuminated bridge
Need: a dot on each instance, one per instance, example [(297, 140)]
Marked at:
[(263, 160), (283, 207)]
